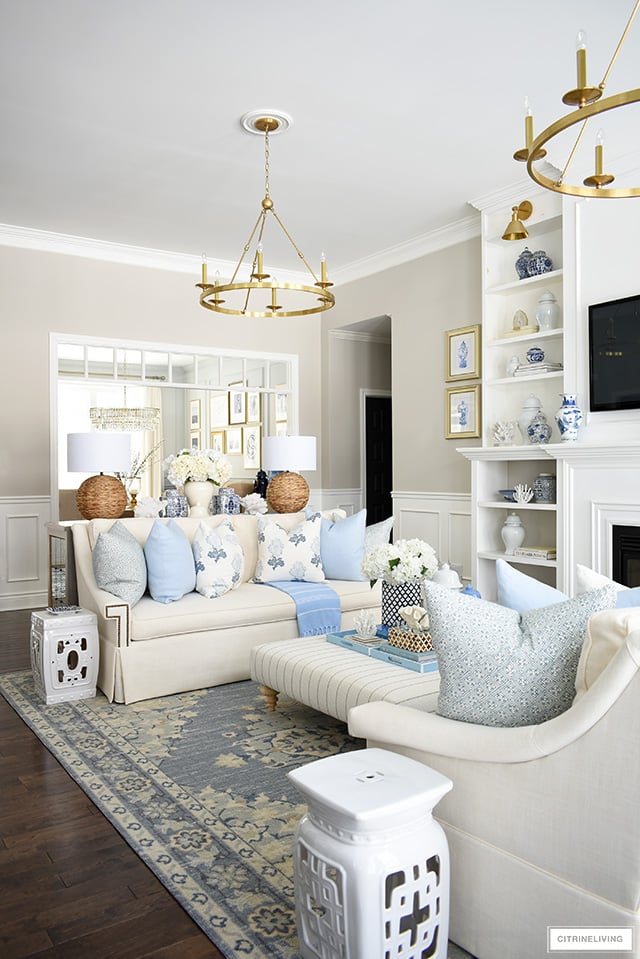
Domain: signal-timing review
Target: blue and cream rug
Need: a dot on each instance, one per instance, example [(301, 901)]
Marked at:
[(196, 783)]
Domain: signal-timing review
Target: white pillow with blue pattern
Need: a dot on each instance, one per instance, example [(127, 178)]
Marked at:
[(499, 667), (289, 555), (219, 559)]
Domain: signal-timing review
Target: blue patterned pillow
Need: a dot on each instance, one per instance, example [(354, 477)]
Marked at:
[(119, 565), (219, 559), (286, 556), (499, 667)]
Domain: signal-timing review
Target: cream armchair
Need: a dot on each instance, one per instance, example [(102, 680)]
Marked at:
[(543, 822)]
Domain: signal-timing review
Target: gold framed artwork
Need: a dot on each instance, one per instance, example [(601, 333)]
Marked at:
[(254, 406), (462, 412), (219, 410), (194, 415), (233, 441), (195, 442), (463, 354), (237, 407), (251, 447), (217, 441)]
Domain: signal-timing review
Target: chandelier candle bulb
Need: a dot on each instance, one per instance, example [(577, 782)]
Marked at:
[(599, 152), (581, 58), (204, 269)]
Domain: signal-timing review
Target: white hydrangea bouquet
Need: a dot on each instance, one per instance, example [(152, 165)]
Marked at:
[(404, 561), (197, 466)]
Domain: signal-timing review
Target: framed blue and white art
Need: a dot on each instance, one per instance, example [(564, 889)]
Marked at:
[(463, 354)]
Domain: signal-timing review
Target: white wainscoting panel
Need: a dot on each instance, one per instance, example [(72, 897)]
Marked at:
[(442, 519), (24, 573), (350, 500)]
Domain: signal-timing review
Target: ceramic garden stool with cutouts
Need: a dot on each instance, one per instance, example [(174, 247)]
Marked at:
[(371, 865), (65, 652)]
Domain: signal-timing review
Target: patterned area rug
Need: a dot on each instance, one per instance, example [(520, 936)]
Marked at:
[(196, 783)]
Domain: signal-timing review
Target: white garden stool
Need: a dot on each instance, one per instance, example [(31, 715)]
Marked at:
[(371, 865), (65, 652)]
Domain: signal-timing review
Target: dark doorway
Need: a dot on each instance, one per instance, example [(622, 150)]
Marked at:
[(378, 458)]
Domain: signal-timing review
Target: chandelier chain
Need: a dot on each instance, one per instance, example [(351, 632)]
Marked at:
[(620, 43)]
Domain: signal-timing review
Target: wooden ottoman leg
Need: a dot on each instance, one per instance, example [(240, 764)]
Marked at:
[(271, 697)]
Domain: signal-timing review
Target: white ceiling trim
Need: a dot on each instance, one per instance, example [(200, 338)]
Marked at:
[(46, 241)]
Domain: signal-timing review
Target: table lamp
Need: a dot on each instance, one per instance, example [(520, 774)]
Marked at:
[(100, 496), (288, 491)]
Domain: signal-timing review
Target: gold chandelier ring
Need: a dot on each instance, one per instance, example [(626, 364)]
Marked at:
[(325, 298), (579, 116)]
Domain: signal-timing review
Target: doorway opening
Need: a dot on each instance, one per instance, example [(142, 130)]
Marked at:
[(378, 456)]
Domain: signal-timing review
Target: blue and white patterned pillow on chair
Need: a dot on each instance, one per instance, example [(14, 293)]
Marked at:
[(289, 555)]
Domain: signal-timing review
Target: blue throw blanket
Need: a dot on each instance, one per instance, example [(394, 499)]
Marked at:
[(317, 606)]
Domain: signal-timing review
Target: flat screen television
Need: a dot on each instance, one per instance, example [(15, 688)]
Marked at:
[(614, 355)]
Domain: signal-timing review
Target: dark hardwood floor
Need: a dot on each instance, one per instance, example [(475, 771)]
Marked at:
[(70, 886)]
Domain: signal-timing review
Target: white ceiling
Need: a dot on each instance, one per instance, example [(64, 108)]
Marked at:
[(120, 120)]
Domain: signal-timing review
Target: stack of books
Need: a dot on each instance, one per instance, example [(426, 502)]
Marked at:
[(529, 369), (535, 552)]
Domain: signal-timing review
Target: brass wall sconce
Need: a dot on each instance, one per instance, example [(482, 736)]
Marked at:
[(515, 228)]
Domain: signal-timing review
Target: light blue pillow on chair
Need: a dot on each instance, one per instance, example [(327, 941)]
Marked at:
[(171, 569), (342, 547), (521, 592), (628, 597)]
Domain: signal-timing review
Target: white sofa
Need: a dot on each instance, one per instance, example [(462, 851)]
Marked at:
[(154, 649), (543, 822)]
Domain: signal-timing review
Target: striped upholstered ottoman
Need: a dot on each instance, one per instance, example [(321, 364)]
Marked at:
[(333, 679)]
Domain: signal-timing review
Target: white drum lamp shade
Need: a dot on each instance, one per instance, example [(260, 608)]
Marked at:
[(288, 492), (100, 496)]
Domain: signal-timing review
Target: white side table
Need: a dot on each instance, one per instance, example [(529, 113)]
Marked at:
[(65, 653), (371, 865)]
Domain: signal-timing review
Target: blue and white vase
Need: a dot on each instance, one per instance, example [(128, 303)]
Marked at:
[(539, 263), (522, 262), (535, 354), (397, 595), (538, 429), (569, 418)]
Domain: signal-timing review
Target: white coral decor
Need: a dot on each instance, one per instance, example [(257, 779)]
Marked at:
[(404, 561), (199, 466)]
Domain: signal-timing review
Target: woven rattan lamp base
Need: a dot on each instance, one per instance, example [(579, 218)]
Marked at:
[(287, 493), (101, 496)]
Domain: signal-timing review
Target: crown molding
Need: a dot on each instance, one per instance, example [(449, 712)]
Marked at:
[(339, 334), (467, 228), (49, 242)]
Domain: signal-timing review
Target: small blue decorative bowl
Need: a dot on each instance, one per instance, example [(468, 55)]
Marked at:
[(535, 355), (508, 494)]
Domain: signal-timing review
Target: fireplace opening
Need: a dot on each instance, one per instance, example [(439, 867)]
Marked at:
[(626, 555)]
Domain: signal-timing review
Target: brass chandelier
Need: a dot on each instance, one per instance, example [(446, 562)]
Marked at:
[(587, 100), (246, 297)]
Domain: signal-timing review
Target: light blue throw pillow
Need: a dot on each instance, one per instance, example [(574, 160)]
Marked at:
[(342, 547), (499, 667), (118, 564), (521, 592), (171, 570), (628, 597)]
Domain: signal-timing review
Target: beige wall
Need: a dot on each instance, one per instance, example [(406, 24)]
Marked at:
[(45, 292), (424, 298)]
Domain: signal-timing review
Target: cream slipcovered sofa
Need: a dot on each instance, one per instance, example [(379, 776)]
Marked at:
[(543, 821), (154, 649)]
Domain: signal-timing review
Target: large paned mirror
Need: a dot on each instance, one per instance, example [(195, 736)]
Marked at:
[(201, 398)]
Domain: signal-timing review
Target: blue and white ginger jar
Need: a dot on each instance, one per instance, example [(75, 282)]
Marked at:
[(539, 263), (569, 418), (535, 355), (522, 263), (538, 429)]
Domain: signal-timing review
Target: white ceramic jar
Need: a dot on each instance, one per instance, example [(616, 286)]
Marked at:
[(513, 533), (548, 311), (530, 408)]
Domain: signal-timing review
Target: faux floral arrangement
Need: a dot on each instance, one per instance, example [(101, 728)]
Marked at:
[(198, 466), (404, 561)]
